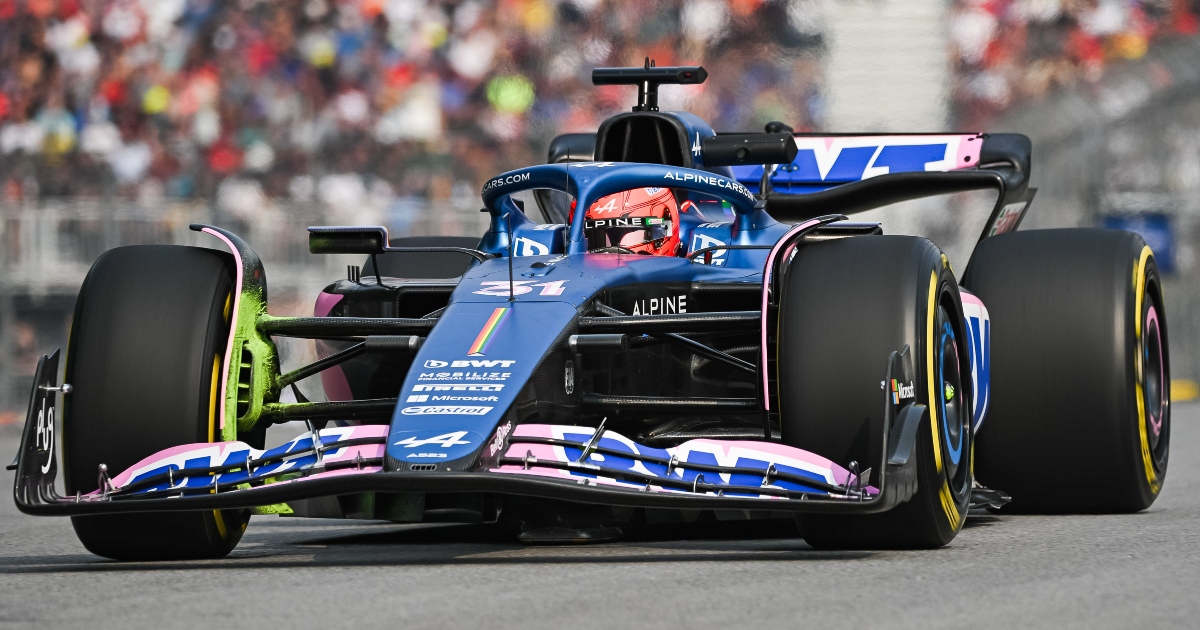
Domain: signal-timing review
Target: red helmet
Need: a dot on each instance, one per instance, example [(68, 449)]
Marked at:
[(639, 221)]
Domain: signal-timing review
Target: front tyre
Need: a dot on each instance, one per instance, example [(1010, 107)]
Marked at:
[(144, 357), (845, 306)]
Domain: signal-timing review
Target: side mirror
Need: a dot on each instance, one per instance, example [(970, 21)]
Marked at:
[(370, 240), (736, 149), (355, 239)]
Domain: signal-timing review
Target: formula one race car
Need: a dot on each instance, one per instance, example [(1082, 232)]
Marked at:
[(661, 322)]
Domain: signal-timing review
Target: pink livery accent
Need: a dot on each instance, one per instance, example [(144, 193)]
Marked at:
[(333, 380), (968, 151), (979, 343), (799, 227), (961, 150), (325, 303), (233, 318), (970, 298), (1156, 422), (206, 455), (720, 452)]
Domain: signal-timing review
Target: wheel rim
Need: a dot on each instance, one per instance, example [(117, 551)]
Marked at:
[(951, 406), (1154, 386), (950, 394)]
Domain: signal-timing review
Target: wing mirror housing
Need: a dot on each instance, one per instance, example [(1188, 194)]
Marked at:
[(356, 239), (736, 149)]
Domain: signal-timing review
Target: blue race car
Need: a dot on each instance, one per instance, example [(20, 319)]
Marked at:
[(661, 321)]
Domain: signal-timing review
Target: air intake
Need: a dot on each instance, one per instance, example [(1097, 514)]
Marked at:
[(647, 137)]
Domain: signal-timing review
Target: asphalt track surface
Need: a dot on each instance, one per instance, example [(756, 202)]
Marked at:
[(1127, 571)]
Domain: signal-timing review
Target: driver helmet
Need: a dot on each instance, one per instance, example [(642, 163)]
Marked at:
[(641, 220)]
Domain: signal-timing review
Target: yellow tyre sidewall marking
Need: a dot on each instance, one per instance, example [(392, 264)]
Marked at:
[(930, 317), (945, 497), (1139, 291)]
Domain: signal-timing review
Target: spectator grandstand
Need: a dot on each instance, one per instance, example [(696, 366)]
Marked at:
[(1008, 52), (360, 103)]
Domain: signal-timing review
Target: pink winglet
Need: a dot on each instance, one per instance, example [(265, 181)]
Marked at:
[(970, 298), (217, 452), (233, 318), (799, 227), (325, 303), (335, 384)]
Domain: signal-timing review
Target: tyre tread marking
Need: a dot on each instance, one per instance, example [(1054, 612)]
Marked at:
[(931, 315), (945, 497), (1139, 291)]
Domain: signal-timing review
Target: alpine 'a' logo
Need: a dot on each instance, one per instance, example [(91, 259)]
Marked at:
[(445, 440)]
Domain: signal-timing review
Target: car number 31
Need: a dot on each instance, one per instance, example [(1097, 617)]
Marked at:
[(500, 288)]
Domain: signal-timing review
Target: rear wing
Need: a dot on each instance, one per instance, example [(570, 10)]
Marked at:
[(849, 173)]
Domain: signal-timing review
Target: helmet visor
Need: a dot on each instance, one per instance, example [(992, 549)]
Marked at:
[(626, 232)]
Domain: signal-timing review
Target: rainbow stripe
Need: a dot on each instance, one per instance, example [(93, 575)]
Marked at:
[(488, 333)]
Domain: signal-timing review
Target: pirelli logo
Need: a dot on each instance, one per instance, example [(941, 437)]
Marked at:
[(460, 387)]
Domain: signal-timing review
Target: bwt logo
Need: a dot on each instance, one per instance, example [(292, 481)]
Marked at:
[(478, 363)]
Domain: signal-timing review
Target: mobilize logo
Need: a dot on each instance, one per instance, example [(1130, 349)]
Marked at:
[(445, 410), (477, 363), (464, 376)]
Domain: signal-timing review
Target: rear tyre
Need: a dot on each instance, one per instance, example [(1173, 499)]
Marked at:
[(845, 306), (1079, 418), (144, 356)]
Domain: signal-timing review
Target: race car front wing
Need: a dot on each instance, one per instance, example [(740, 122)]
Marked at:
[(572, 463)]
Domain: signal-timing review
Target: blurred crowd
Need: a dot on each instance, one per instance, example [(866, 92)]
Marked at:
[(1007, 52), (391, 104), (360, 103)]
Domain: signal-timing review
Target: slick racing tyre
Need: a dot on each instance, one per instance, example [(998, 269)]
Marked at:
[(845, 306), (144, 357), (1079, 418)]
